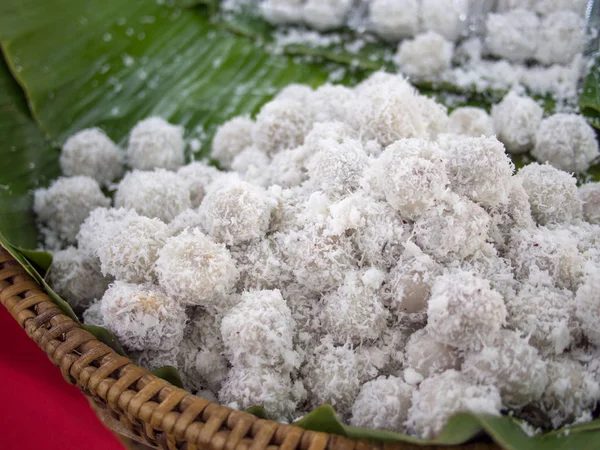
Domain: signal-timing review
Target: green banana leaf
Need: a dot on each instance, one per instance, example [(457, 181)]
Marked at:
[(109, 63)]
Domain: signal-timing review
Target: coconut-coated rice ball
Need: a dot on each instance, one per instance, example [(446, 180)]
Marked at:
[(424, 57), (130, 254), (159, 193), (410, 282), (382, 403), (567, 142), (259, 332), (512, 35), (561, 37), (553, 251), (338, 167), (427, 357), (411, 185), (280, 125), (441, 396), (332, 375), (456, 228), (516, 121), (464, 311), (236, 211), (394, 19), (326, 15), (100, 226), (75, 275), (587, 304), (446, 18), (155, 143), (269, 387), (92, 153), (571, 391), (282, 12), (589, 194), (65, 204), (195, 270), (142, 316), (511, 365), (479, 169), (353, 312), (198, 176), (231, 139), (471, 121), (552, 194)]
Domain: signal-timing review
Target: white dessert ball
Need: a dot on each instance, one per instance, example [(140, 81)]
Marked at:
[(587, 307), (428, 357), (512, 35), (318, 259), (92, 153), (464, 311), (100, 226), (380, 234), (75, 275), (65, 204), (394, 19), (567, 142), (382, 403), (479, 169), (155, 143), (236, 211), (198, 176), (259, 332), (388, 109), (441, 396), (511, 365), (589, 194), (446, 18), (424, 57), (330, 103), (332, 375), (280, 125), (410, 283), (195, 270), (251, 164), (282, 12), (326, 15), (571, 393), (231, 138), (262, 265), (456, 228), (471, 121), (516, 121), (188, 219), (142, 316), (553, 251), (561, 37), (338, 167), (411, 185), (552, 194), (130, 254), (543, 314), (269, 387), (353, 312), (159, 193)]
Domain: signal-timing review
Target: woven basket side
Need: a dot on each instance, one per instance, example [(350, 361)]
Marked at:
[(149, 407)]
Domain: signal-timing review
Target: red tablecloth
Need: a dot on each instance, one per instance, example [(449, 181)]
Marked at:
[(38, 408)]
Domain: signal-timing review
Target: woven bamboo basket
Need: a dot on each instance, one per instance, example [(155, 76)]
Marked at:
[(135, 403)]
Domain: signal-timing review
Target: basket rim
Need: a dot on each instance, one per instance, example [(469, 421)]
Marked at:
[(160, 414)]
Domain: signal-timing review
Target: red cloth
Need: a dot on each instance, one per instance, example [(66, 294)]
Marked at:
[(39, 409)]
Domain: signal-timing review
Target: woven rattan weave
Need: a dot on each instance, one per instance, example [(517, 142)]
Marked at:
[(150, 408)]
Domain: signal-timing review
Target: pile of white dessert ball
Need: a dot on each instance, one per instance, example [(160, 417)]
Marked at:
[(362, 249)]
